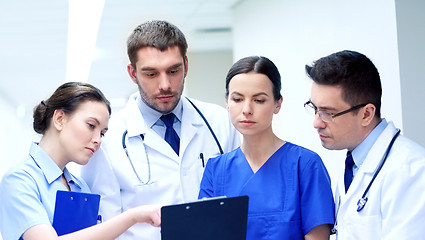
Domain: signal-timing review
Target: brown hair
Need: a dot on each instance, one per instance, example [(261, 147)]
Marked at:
[(67, 98), (157, 34)]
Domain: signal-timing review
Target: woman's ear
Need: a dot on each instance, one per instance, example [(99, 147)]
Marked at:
[(58, 119), (226, 98), (278, 106)]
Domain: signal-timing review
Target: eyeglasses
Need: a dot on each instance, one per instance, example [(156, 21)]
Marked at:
[(327, 116)]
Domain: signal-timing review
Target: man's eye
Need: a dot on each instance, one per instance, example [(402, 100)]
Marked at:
[(326, 113)]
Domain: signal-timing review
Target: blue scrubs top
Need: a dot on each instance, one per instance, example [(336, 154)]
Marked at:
[(28, 193), (288, 196)]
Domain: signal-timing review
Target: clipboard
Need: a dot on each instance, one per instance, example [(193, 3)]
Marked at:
[(75, 211), (211, 219)]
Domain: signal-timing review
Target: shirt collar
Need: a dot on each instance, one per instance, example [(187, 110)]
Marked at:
[(151, 116), (50, 169), (360, 152), (47, 165), (73, 182)]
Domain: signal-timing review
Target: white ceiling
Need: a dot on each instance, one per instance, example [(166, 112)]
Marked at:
[(34, 41)]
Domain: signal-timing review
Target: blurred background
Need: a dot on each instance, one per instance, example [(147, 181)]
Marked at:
[(44, 43)]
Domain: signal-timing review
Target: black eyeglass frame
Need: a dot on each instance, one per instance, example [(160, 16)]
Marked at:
[(310, 104)]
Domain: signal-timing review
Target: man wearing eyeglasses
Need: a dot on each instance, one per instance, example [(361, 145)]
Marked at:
[(381, 194)]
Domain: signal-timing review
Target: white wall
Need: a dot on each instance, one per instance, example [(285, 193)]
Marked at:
[(206, 75), (411, 39), (294, 33), (16, 136)]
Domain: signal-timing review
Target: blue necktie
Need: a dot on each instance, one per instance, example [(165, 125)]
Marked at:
[(170, 134), (348, 175)]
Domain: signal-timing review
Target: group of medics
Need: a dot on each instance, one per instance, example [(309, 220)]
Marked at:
[(136, 166), (382, 191)]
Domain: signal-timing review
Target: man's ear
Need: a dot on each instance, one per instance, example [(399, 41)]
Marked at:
[(58, 119), (186, 65), (132, 72), (368, 114)]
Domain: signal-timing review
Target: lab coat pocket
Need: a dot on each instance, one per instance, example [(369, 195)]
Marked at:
[(191, 177), (155, 192), (356, 227)]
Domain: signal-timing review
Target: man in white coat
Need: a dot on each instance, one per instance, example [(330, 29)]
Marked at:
[(136, 165), (346, 101)]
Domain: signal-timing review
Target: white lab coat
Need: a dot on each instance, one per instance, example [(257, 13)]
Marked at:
[(396, 200), (174, 179)]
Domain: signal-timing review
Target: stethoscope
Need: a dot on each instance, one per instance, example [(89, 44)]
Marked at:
[(363, 200), (142, 137)]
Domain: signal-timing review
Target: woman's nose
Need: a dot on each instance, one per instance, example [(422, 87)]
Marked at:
[(247, 109), (97, 139)]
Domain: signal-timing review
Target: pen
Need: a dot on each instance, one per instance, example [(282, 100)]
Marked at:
[(201, 156)]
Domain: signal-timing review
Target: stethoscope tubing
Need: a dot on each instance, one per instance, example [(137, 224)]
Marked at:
[(363, 200), (124, 146), (208, 125), (124, 137)]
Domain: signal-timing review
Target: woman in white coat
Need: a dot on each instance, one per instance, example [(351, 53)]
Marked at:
[(346, 100)]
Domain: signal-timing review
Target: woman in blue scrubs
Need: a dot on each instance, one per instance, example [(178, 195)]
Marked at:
[(72, 122), (289, 189)]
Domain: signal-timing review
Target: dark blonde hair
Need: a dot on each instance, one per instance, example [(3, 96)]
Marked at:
[(67, 98)]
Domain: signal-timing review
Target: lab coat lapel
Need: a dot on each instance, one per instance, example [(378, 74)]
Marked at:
[(371, 162), (192, 122), (365, 172), (346, 203), (378, 149), (157, 143), (136, 125)]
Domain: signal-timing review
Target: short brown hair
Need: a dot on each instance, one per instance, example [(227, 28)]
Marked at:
[(157, 34)]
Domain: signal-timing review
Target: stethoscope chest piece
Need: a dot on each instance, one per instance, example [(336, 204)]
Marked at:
[(361, 203)]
